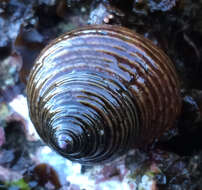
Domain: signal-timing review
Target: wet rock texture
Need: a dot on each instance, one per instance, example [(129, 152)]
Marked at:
[(173, 162)]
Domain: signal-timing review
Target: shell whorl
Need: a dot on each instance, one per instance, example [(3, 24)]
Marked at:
[(98, 91)]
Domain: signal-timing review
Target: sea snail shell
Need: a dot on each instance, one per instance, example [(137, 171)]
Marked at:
[(98, 91)]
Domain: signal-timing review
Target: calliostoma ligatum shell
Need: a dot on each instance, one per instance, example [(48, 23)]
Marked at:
[(98, 91)]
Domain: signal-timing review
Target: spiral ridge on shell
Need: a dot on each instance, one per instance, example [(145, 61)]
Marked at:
[(98, 91)]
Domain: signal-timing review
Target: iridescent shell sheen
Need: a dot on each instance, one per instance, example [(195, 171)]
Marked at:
[(98, 91)]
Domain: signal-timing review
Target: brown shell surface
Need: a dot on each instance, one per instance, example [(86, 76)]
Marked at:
[(98, 91)]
